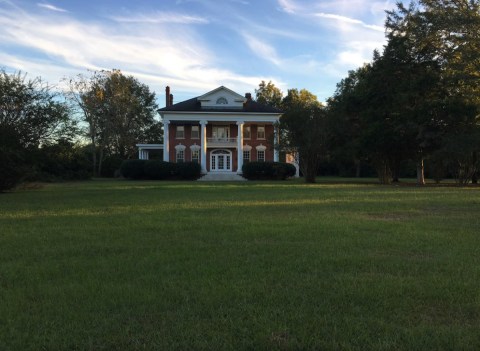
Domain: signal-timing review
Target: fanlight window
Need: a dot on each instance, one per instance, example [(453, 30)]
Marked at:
[(220, 152), (222, 101)]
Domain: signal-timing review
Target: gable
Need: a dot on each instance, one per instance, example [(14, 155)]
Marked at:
[(221, 98)]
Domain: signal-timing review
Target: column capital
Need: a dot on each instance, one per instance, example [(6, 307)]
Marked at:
[(239, 123), (166, 121), (203, 122)]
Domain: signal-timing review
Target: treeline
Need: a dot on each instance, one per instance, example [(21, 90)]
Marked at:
[(417, 103), (86, 130), (414, 107)]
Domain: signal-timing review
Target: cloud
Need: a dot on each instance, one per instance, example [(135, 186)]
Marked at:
[(161, 17), (51, 7), (288, 6), (262, 49), (349, 20), (66, 47)]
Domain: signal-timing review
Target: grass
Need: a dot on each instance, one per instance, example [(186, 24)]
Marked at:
[(112, 265)]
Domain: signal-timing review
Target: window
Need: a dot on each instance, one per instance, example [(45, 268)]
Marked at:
[(222, 101), (180, 133), (180, 156), (195, 132), (196, 156), (261, 132), (260, 155), (246, 132), (246, 156)]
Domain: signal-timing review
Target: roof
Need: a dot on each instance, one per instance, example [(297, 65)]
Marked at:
[(242, 104), (193, 105)]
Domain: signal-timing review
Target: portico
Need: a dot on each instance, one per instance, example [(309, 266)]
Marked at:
[(221, 130)]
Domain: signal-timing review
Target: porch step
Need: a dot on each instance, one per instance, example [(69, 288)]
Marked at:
[(221, 177)]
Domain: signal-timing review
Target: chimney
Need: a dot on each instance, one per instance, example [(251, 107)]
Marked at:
[(171, 99), (248, 96), (167, 96)]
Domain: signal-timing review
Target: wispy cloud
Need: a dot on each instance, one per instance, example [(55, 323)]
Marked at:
[(349, 20), (288, 6), (72, 46), (161, 17), (50, 7), (262, 49)]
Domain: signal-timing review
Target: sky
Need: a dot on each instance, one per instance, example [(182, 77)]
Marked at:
[(194, 46)]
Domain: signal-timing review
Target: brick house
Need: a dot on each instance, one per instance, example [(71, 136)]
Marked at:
[(220, 129)]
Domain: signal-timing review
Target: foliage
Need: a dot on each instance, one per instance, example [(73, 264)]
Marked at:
[(303, 130), (133, 169), (188, 170), (32, 110), (157, 170), (268, 170), (269, 94), (120, 112), (12, 168), (61, 161)]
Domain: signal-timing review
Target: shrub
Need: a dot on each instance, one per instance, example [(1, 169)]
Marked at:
[(188, 170), (268, 170), (11, 168), (155, 169), (133, 169)]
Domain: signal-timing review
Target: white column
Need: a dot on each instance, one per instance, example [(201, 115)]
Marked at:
[(139, 153), (240, 147), (166, 143), (146, 155), (203, 146), (276, 153)]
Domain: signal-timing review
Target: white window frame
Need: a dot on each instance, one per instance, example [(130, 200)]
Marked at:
[(180, 153), (247, 135), (180, 132), (260, 152), (198, 132), (258, 132), (247, 152)]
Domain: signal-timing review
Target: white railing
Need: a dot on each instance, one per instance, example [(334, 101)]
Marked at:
[(222, 141)]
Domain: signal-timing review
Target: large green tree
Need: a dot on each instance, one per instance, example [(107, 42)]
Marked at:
[(303, 130), (32, 115), (119, 111), (269, 94)]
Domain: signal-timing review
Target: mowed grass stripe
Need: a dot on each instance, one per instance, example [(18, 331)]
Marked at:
[(154, 265)]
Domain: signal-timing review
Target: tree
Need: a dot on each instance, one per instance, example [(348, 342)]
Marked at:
[(119, 111), (303, 130), (445, 34), (269, 94), (31, 115)]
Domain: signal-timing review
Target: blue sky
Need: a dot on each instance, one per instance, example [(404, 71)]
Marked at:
[(194, 46)]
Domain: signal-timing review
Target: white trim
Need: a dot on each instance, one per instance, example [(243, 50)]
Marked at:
[(212, 152), (247, 147), (180, 147), (195, 147), (261, 147), (166, 141)]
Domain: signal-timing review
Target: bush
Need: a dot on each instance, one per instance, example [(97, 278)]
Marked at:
[(11, 168), (188, 170), (133, 169), (268, 170), (155, 169)]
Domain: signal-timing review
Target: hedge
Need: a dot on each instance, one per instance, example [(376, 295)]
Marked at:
[(268, 170), (159, 170)]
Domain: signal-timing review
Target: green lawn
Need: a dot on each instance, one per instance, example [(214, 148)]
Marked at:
[(114, 265)]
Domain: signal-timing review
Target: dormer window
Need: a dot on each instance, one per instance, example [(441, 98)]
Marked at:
[(222, 101)]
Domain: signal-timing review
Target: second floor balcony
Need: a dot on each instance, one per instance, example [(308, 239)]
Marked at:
[(222, 142)]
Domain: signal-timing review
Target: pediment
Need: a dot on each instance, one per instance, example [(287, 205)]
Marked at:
[(221, 98)]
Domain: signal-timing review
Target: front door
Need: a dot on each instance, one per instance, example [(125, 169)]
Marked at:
[(221, 161)]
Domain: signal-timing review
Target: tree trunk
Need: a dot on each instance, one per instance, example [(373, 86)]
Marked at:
[(475, 168), (100, 161), (420, 173), (358, 168), (396, 172)]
